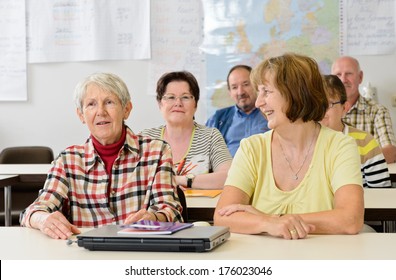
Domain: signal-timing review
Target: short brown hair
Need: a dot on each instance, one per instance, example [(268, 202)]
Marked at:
[(335, 88), (182, 76), (298, 79)]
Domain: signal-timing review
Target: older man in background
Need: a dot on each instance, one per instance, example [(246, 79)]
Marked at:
[(365, 114)]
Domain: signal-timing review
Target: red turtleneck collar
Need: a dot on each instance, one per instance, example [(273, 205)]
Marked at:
[(109, 153)]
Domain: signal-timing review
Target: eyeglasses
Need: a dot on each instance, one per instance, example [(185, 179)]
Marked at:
[(331, 104), (171, 99)]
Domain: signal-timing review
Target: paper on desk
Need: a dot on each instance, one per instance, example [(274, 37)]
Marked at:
[(207, 193)]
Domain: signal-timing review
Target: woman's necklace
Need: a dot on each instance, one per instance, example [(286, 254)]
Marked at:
[(295, 177)]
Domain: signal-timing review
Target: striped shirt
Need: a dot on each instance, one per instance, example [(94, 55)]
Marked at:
[(78, 184), (374, 168), (206, 152), (373, 118)]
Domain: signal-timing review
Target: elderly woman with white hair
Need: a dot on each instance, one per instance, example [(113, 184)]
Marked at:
[(115, 177)]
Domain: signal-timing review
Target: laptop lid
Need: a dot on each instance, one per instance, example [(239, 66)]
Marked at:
[(194, 239)]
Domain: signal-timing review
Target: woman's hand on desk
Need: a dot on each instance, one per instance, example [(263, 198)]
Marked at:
[(54, 225), (143, 214), (287, 226)]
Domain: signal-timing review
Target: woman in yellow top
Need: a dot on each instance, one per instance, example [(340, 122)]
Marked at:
[(299, 177)]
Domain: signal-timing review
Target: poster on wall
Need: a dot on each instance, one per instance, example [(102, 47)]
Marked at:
[(176, 35), (367, 27), (246, 32), (71, 30), (13, 85)]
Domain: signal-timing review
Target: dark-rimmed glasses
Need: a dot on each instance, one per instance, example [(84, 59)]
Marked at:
[(331, 104)]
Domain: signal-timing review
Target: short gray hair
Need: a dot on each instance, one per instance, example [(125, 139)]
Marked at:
[(107, 82)]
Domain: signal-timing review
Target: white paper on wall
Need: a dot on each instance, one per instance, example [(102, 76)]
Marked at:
[(367, 27), (13, 85), (73, 30)]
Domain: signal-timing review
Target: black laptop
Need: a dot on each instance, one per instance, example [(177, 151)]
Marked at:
[(193, 239)]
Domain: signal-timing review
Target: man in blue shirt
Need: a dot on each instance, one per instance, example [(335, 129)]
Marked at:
[(243, 119)]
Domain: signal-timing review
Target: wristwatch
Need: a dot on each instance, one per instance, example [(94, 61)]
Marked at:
[(190, 178)]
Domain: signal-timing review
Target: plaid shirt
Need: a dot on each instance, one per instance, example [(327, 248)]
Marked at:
[(78, 185), (374, 118)]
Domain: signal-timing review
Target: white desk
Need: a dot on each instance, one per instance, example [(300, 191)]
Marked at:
[(202, 201), (24, 169), (380, 198), (22, 243), (392, 168), (392, 171)]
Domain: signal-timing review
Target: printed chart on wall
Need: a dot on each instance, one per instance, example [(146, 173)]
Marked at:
[(69, 30), (176, 34), (13, 80), (367, 27), (246, 32), (42, 31)]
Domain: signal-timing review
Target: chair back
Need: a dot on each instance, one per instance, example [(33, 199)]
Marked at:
[(26, 190), (26, 154)]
